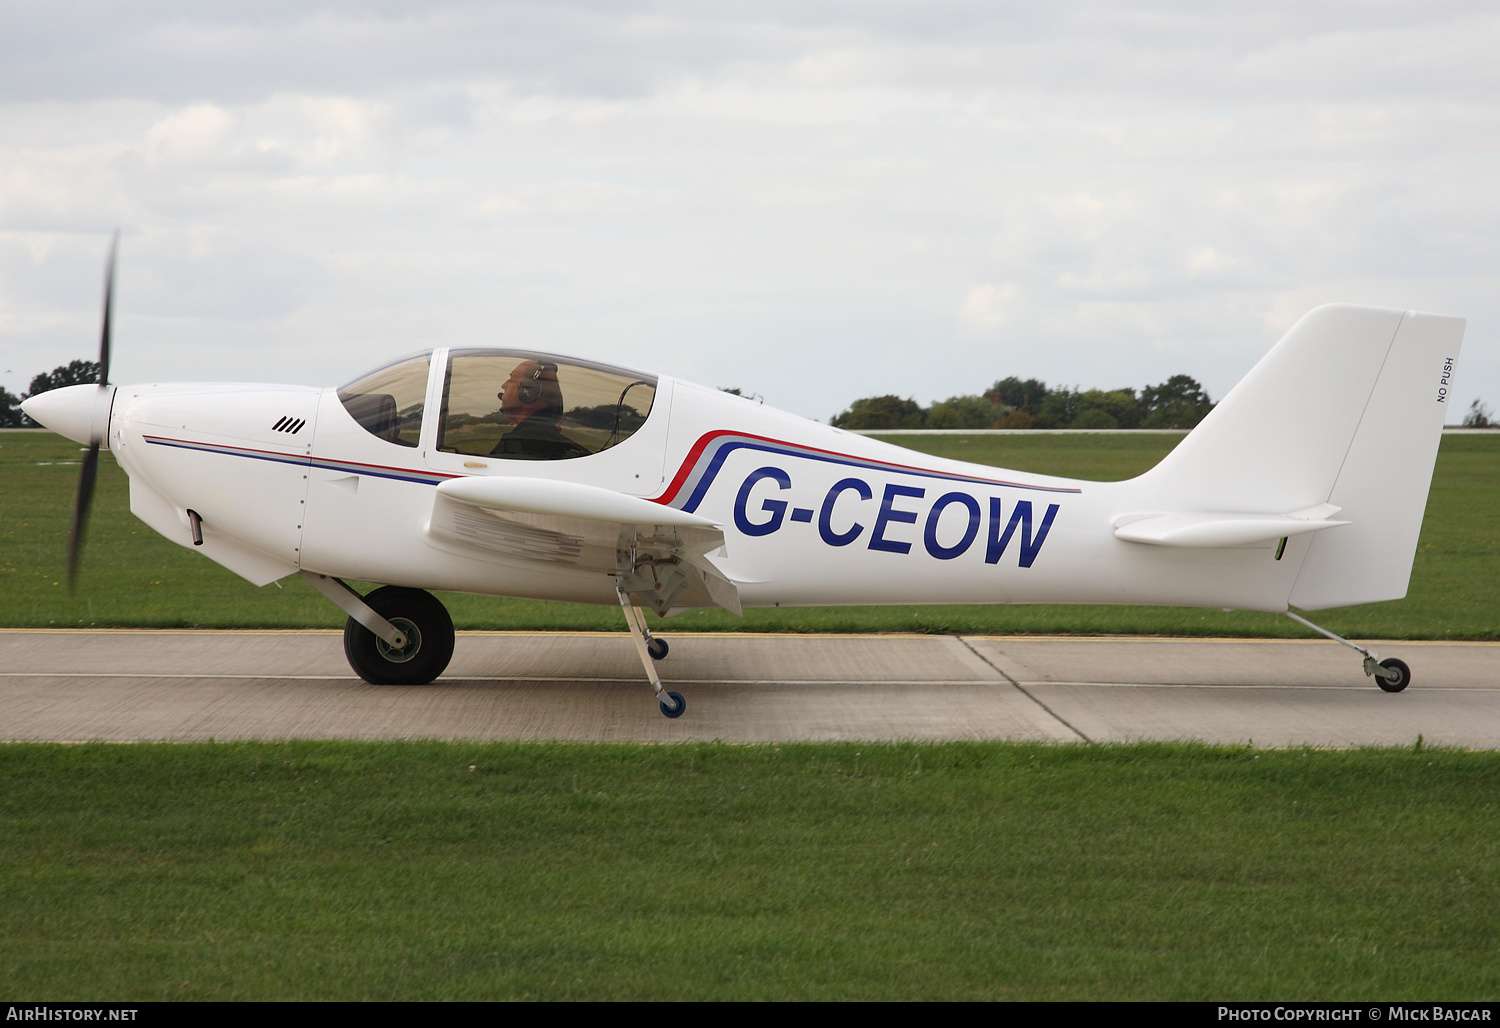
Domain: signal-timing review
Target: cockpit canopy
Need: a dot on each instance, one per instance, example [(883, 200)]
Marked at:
[(511, 404)]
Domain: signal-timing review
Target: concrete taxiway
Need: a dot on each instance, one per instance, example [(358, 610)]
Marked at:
[(193, 685)]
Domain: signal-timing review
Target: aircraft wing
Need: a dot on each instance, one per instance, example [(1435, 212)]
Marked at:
[(659, 554)]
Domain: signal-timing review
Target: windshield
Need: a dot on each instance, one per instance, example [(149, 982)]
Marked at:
[(388, 401)]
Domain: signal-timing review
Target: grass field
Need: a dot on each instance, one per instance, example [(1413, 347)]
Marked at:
[(133, 577), (963, 871), (386, 871)]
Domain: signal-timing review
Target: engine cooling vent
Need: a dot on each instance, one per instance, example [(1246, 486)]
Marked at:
[(291, 426)]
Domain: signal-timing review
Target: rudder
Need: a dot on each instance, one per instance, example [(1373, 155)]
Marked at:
[(1383, 482)]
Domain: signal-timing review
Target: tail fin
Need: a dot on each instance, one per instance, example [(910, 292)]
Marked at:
[(1347, 409)]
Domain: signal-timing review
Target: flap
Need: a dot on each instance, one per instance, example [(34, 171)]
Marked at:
[(659, 553), (565, 499)]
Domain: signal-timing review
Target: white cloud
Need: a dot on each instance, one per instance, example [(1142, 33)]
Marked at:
[(794, 198), (985, 308)]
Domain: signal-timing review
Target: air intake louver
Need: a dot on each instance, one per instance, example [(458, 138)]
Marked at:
[(291, 426)]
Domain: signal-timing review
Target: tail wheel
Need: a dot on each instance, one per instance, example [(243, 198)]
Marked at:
[(429, 639)]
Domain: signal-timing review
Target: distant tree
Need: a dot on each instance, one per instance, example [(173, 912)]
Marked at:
[(1479, 416), (74, 373), (1095, 417), (1179, 402), (10, 409), (881, 412), (963, 412), (1118, 408), (1019, 394), (1058, 408), (735, 391)]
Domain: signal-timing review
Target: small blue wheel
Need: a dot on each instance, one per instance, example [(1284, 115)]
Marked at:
[(658, 648), (673, 711)]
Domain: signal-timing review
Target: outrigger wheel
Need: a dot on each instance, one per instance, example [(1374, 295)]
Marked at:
[(429, 639)]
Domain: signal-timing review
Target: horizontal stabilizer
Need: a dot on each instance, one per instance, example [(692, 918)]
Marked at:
[(1217, 529)]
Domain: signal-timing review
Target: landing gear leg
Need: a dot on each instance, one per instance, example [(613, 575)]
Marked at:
[(1390, 674), (672, 704)]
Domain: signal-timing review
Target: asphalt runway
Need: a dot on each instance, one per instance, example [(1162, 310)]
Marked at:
[(196, 685)]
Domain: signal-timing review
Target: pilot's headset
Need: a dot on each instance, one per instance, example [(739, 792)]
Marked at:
[(529, 389)]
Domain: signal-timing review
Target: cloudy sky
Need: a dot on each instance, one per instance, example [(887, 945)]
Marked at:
[(813, 201)]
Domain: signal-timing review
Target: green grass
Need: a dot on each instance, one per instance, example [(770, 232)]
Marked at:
[(962, 871), (134, 577), (965, 871)]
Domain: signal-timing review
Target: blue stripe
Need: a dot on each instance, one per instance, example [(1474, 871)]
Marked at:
[(723, 449)]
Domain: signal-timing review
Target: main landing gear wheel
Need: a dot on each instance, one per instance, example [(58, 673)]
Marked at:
[(673, 711), (429, 639), (1403, 672), (658, 648)]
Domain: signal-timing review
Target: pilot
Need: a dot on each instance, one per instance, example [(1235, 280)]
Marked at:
[(533, 402)]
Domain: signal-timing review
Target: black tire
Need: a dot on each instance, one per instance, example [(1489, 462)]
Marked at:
[(658, 648), (429, 632), (1392, 664)]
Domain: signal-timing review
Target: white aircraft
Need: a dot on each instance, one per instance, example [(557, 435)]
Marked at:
[(507, 472)]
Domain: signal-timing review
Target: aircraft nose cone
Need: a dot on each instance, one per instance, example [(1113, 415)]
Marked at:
[(72, 411)]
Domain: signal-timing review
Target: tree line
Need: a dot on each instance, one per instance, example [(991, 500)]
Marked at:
[(75, 373), (1179, 402)]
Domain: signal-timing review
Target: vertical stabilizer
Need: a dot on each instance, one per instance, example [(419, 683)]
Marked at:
[(1347, 409)]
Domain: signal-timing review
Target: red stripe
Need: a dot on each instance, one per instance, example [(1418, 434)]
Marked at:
[(690, 461)]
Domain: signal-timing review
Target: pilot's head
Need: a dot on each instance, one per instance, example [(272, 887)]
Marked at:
[(531, 389)]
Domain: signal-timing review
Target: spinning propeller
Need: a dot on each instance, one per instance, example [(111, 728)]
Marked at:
[(98, 430)]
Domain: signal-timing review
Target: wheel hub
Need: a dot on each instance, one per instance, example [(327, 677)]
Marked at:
[(404, 653)]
